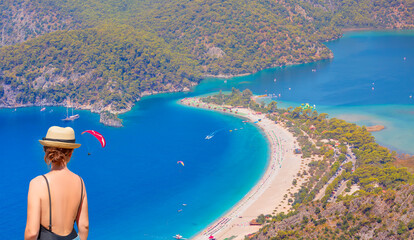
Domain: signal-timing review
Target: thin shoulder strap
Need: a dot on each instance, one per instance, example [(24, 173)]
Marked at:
[(50, 204), (80, 203)]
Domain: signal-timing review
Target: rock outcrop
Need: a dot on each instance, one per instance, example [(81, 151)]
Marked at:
[(110, 119)]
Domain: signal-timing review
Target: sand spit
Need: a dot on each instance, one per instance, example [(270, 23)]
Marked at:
[(269, 195)]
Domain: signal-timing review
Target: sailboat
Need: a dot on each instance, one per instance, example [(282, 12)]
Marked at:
[(71, 117)]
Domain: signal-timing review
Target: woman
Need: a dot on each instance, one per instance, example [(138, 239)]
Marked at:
[(57, 199)]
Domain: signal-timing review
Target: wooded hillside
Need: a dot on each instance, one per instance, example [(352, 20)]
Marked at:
[(129, 48)]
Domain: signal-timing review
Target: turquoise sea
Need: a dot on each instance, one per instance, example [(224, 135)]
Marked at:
[(135, 187)]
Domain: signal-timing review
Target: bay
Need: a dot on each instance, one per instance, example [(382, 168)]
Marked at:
[(136, 189), (369, 81)]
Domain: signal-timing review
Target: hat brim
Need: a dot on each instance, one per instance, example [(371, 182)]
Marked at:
[(56, 144)]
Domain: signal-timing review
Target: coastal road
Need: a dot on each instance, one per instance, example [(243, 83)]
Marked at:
[(350, 157)]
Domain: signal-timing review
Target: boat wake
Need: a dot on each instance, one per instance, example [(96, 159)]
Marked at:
[(211, 135)]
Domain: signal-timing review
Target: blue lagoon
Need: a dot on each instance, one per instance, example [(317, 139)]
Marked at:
[(135, 187)]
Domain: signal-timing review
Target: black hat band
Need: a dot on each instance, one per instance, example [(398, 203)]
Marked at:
[(59, 140)]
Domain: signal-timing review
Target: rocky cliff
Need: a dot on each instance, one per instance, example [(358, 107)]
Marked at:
[(21, 20)]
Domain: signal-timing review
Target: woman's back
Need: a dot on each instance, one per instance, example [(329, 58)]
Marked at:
[(65, 192), (57, 199)]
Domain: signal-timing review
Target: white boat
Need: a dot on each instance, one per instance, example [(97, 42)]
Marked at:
[(178, 236), (71, 117), (42, 109)]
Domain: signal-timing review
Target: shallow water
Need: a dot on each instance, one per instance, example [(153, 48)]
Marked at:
[(369, 81)]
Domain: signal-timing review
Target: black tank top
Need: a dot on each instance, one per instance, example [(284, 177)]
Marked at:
[(47, 234)]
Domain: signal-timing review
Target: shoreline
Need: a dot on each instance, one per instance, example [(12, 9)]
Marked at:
[(268, 195), (355, 29), (108, 116), (105, 117)]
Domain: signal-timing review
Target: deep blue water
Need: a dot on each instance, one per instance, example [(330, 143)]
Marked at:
[(135, 186)]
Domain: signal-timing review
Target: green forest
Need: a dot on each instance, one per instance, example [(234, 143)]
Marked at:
[(112, 65), (112, 52)]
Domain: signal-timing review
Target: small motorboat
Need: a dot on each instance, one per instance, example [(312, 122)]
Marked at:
[(178, 236)]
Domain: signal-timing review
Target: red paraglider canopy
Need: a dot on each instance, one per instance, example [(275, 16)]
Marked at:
[(98, 136)]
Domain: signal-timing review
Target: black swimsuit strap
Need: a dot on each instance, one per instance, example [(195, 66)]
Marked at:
[(50, 204), (80, 203)]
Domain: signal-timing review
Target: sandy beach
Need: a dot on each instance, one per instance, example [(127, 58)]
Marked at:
[(268, 196)]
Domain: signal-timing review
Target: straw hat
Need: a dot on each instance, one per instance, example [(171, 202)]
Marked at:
[(60, 137)]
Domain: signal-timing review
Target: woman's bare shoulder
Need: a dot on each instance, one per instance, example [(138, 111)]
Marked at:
[(73, 175), (37, 182)]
